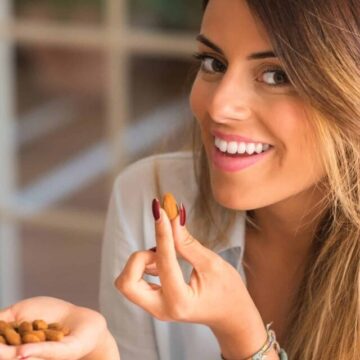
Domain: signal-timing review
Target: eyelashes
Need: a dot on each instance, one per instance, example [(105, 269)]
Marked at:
[(203, 59), (272, 76)]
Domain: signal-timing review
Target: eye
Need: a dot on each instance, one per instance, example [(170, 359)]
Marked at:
[(275, 77), (210, 64)]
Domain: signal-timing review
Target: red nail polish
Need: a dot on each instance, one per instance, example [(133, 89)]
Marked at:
[(153, 249), (156, 209), (182, 215)]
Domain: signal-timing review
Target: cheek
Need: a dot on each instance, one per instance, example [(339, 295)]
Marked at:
[(297, 165), (297, 143), (294, 167), (298, 153), (200, 96)]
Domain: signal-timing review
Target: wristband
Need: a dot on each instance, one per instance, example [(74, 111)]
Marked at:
[(270, 342)]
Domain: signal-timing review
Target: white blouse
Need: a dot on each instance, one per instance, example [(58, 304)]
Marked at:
[(129, 228)]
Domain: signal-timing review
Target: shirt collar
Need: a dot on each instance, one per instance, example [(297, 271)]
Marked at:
[(236, 235)]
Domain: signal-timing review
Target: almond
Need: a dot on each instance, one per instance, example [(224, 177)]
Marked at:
[(170, 206)]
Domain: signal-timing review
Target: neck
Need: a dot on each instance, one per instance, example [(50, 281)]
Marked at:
[(287, 228)]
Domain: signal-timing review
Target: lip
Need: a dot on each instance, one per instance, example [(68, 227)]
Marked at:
[(232, 164), (237, 138)]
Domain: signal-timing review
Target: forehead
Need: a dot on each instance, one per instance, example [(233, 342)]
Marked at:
[(231, 25)]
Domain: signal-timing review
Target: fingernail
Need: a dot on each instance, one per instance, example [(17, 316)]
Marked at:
[(156, 209), (182, 215), (153, 249)]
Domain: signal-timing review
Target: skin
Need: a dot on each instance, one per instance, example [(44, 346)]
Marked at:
[(198, 300), (235, 95), (89, 338)]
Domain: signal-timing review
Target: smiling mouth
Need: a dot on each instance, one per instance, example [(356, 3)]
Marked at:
[(236, 162), (235, 156), (245, 155), (242, 153)]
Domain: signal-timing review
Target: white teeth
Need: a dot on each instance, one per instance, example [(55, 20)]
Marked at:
[(223, 145), (233, 147), (217, 142), (242, 148), (250, 148), (258, 148)]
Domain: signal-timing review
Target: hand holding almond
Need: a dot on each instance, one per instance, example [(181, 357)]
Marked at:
[(215, 296)]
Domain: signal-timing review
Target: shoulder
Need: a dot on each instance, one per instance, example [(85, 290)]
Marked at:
[(168, 161), (157, 174)]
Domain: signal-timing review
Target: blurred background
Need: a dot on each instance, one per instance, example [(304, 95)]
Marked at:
[(86, 87)]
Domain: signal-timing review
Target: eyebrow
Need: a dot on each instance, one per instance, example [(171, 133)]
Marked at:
[(259, 55)]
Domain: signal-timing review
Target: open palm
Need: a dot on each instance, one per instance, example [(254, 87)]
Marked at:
[(85, 325)]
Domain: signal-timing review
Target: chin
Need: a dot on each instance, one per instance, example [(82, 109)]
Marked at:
[(231, 196), (225, 197)]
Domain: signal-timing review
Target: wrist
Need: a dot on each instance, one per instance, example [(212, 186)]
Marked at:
[(241, 342), (271, 355)]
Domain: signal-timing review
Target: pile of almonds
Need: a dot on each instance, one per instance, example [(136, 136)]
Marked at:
[(14, 333)]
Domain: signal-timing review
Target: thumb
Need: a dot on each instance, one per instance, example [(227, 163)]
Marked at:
[(187, 246)]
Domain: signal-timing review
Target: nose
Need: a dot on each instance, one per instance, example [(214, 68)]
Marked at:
[(231, 99)]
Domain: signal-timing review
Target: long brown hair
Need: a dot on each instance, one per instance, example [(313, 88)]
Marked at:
[(318, 43)]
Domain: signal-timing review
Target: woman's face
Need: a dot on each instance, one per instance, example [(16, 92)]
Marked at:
[(241, 99)]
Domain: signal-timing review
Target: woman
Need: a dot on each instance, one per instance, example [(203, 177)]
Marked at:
[(284, 74), (278, 222)]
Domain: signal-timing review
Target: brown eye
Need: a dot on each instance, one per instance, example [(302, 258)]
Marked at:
[(210, 64), (213, 65), (275, 77)]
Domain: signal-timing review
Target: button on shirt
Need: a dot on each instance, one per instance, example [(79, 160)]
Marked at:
[(130, 228)]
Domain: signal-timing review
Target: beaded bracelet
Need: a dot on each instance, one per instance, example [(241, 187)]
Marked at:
[(270, 341), (283, 355)]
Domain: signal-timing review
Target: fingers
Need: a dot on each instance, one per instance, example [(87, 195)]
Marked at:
[(67, 349), (151, 269), (7, 352), (135, 268), (7, 315), (132, 285), (169, 270), (87, 331), (23, 352), (162, 262), (38, 308), (191, 249)]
